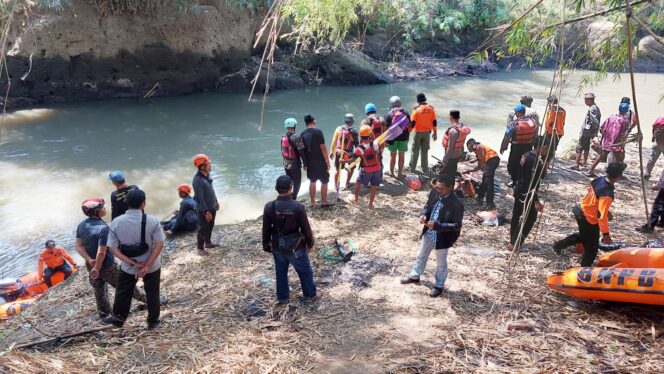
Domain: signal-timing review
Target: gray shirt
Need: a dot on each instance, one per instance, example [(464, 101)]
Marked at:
[(204, 194), (126, 229), (591, 122)]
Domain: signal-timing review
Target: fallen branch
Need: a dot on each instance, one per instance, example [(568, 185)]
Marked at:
[(60, 338)]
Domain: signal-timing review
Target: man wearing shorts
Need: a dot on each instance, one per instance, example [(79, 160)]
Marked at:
[(400, 144), (319, 165), (588, 130), (371, 173)]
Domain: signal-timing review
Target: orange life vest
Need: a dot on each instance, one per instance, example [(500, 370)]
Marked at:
[(461, 139), (52, 257), (555, 118), (526, 130)]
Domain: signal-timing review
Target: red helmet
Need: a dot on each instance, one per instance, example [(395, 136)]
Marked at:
[(184, 188), (200, 159), (92, 206)]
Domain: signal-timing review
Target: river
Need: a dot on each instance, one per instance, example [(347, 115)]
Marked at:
[(52, 158)]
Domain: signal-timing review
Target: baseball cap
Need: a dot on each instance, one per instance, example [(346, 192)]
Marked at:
[(116, 176), (284, 182)]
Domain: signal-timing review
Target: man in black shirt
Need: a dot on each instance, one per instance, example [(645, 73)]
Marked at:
[(287, 235), (531, 171), (318, 165), (119, 196)]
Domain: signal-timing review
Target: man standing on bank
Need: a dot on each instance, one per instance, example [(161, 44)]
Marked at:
[(119, 196), (441, 217), (136, 239), (206, 203), (519, 136), (318, 168), (423, 122), (292, 150), (589, 130), (287, 235)]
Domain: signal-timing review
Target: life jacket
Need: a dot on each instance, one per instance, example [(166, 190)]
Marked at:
[(555, 118), (287, 149), (370, 157), (461, 139), (526, 130), (345, 139), (376, 126), (52, 257)]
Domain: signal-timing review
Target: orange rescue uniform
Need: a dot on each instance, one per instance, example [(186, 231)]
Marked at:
[(424, 117), (53, 257)]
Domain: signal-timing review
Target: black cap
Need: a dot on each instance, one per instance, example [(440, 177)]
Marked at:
[(308, 118), (284, 183), (135, 198), (615, 169), (421, 98), (49, 244), (626, 100)]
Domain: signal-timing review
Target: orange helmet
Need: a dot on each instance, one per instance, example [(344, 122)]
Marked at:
[(184, 188), (200, 159), (365, 130)]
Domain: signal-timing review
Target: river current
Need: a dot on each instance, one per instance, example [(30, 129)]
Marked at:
[(52, 158)]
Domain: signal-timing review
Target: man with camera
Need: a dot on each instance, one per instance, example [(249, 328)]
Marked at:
[(287, 235)]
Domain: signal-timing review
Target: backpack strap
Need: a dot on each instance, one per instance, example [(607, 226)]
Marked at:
[(143, 224)]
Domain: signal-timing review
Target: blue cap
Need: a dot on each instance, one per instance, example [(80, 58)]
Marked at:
[(623, 107), (369, 108), (519, 108), (116, 176), (290, 122)]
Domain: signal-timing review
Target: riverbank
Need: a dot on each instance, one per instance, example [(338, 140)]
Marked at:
[(221, 316)]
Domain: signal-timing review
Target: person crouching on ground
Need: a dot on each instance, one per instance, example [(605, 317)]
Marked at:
[(185, 219), (56, 259), (592, 215), (91, 238), (207, 205), (526, 201), (287, 235), (137, 240), (487, 161), (371, 173), (656, 217), (442, 219)]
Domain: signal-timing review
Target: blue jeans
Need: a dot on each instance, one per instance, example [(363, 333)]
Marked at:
[(429, 245), (300, 261)]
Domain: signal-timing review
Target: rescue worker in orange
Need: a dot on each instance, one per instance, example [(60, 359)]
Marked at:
[(554, 126), (56, 259), (519, 136), (453, 141), (487, 161), (423, 122), (371, 173), (592, 215), (344, 140)]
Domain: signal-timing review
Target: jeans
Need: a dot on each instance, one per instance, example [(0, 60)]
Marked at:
[(654, 155), (421, 143), (514, 160), (487, 188), (295, 173), (204, 229), (517, 213), (300, 261), (48, 272), (441, 261), (125, 291), (108, 276)]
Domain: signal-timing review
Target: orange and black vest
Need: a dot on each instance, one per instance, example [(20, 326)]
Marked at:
[(460, 140)]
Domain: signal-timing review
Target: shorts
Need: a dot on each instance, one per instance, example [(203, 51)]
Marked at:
[(583, 145), (609, 156), (373, 178), (398, 146), (318, 173)]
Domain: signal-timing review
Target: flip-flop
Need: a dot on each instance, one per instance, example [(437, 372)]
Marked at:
[(325, 205)]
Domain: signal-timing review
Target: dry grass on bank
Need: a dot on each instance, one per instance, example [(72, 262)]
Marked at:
[(366, 321)]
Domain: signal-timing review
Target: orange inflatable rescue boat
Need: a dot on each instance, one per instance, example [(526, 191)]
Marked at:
[(628, 275), (20, 293)]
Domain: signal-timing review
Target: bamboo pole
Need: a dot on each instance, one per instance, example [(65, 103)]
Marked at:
[(630, 51)]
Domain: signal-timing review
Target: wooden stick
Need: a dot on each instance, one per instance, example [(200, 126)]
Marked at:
[(61, 337), (630, 51)]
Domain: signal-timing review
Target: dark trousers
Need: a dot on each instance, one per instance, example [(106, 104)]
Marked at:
[(48, 273), (205, 229), (517, 215), (125, 291), (301, 264), (487, 187), (184, 227), (514, 161), (588, 235), (108, 277), (657, 211), (451, 167), (295, 173)]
